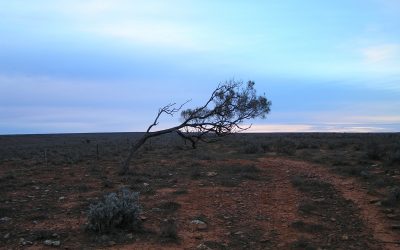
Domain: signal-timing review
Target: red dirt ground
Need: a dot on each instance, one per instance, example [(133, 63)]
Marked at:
[(254, 214)]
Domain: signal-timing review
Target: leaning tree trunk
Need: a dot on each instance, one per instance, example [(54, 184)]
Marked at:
[(124, 168), (132, 151)]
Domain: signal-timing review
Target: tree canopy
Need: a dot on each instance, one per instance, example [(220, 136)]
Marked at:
[(229, 105)]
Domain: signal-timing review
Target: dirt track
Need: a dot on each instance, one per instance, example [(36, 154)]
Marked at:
[(268, 214), (370, 214)]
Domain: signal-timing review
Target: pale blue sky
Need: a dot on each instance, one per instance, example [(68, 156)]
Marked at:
[(92, 66)]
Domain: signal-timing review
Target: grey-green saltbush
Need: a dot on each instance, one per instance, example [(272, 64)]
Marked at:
[(116, 211)]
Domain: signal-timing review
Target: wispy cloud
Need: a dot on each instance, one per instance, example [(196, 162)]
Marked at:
[(378, 119), (150, 34), (300, 128), (258, 128), (42, 119), (154, 24), (43, 104), (52, 90), (379, 54)]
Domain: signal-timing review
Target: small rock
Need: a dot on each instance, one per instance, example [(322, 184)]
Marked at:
[(6, 236), (129, 236), (211, 174), (345, 237), (333, 219), (61, 198), (5, 219), (142, 217), (197, 222), (238, 233), (54, 243), (24, 242), (200, 225), (146, 184), (203, 247)]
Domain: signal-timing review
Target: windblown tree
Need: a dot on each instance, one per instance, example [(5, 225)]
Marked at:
[(229, 105)]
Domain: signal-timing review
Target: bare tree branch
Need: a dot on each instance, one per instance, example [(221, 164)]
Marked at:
[(229, 105)]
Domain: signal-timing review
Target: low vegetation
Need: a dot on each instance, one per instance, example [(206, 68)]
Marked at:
[(65, 190), (116, 211)]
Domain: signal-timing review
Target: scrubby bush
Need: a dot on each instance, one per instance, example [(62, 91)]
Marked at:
[(374, 151), (384, 181), (393, 197), (352, 170), (394, 158), (168, 230), (251, 148), (195, 171), (285, 146), (117, 210), (307, 184), (265, 147)]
